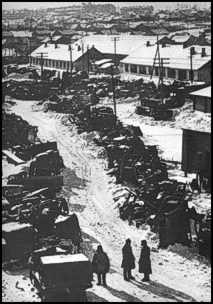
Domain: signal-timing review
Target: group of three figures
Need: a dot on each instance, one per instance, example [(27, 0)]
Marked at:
[(101, 264)]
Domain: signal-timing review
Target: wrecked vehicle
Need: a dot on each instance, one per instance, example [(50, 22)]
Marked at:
[(62, 276)]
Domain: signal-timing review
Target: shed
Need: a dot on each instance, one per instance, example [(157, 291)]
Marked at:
[(202, 100), (196, 152)]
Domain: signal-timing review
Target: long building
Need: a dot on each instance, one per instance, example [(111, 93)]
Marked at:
[(177, 65), (134, 55), (60, 57)]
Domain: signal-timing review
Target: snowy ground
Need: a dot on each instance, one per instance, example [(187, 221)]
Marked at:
[(176, 276)]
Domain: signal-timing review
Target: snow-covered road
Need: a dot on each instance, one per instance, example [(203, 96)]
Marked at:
[(90, 191)]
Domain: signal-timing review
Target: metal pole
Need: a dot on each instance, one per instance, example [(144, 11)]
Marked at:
[(114, 100), (157, 50), (191, 69), (88, 59), (30, 42), (82, 49), (70, 49), (113, 82), (41, 65)]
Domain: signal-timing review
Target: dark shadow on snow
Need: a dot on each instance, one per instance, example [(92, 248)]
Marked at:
[(164, 291), (92, 297), (123, 295)]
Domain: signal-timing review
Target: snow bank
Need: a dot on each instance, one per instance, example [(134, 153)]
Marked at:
[(194, 120)]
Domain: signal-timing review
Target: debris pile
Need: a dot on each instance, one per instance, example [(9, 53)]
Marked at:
[(155, 199), (16, 131), (34, 214)]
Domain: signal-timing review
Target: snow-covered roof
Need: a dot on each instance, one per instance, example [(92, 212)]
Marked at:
[(60, 53), (179, 57), (206, 92), (22, 34), (124, 45)]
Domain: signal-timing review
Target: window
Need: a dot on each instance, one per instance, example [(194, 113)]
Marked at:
[(133, 68), (126, 67), (171, 73), (182, 75), (142, 69)]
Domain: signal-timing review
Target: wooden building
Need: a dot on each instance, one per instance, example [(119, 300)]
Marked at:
[(202, 100), (196, 152), (59, 56), (176, 67)]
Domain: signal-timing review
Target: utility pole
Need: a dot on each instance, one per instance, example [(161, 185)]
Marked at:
[(191, 68), (82, 50), (42, 62), (70, 50), (157, 53), (30, 41), (160, 62), (115, 39), (88, 59)]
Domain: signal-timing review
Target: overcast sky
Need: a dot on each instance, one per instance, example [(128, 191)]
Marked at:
[(36, 5)]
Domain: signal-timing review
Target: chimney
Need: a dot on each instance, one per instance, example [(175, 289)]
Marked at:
[(163, 45), (45, 45), (192, 50), (203, 52), (148, 43), (56, 45)]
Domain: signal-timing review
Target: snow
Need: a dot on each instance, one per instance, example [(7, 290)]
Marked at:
[(169, 140), (203, 92), (174, 277), (17, 287)]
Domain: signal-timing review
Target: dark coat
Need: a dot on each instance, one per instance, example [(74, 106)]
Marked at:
[(128, 257), (144, 261), (100, 262)]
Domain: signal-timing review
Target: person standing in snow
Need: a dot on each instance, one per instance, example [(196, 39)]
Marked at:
[(128, 262), (144, 261), (100, 265)]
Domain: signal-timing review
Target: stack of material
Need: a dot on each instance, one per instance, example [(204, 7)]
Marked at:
[(27, 152), (19, 239), (48, 163), (27, 89), (68, 227), (102, 118), (16, 131)]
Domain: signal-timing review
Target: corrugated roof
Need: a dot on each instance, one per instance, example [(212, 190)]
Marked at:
[(179, 57), (206, 92)]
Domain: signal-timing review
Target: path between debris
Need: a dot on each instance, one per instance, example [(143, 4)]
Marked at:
[(174, 278)]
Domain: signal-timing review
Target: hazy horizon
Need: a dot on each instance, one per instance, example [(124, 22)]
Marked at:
[(38, 5)]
